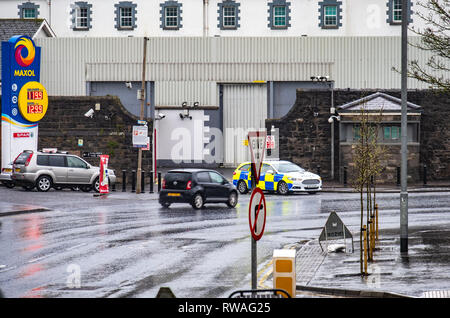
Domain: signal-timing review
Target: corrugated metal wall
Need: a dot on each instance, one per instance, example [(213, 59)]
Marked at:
[(354, 62), (244, 109)]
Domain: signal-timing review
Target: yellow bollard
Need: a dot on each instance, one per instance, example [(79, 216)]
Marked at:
[(376, 221), (284, 272), (365, 249)]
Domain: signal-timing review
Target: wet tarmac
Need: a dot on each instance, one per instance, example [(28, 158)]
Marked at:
[(126, 245)]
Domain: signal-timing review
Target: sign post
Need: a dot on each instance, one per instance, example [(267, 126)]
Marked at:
[(257, 206), (24, 99)]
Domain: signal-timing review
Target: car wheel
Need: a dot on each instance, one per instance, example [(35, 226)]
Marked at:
[(232, 199), (43, 183), (242, 187), (283, 188), (9, 184), (96, 185), (197, 201)]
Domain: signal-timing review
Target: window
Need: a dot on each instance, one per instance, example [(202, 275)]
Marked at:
[(203, 177), (391, 133), (56, 161), (265, 168), (245, 167), (28, 10), (397, 11), (42, 160), (279, 14), (74, 162), (394, 12), (215, 177), (228, 17), (356, 132), (125, 15), (81, 16), (330, 14), (171, 15)]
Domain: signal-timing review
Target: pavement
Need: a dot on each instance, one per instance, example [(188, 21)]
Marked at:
[(422, 272)]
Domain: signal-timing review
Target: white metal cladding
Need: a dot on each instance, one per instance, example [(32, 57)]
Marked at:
[(244, 109), (173, 93), (354, 62)]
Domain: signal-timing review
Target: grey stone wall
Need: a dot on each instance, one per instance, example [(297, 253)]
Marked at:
[(305, 135)]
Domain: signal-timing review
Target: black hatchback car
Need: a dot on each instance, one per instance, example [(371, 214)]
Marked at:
[(197, 187)]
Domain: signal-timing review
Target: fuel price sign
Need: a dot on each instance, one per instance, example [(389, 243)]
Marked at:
[(33, 101)]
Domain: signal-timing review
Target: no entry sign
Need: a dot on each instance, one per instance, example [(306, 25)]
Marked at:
[(257, 213)]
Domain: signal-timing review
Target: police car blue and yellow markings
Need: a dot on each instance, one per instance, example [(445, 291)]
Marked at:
[(267, 181)]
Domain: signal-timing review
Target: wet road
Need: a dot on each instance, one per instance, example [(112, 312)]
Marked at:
[(122, 247)]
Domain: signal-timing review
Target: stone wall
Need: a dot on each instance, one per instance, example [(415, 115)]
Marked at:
[(108, 132), (305, 134)]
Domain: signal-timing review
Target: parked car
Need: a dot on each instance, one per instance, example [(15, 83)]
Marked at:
[(280, 176), (197, 187), (46, 170), (5, 176)]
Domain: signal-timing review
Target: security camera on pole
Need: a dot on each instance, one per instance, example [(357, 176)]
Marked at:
[(257, 206)]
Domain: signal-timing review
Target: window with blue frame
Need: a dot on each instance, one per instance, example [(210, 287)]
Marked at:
[(394, 12), (28, 10), (279, 14), (125, 15), (330, 14), (228, 15), (171, 15)]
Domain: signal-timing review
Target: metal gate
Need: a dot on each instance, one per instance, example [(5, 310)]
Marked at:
[(244, 109)]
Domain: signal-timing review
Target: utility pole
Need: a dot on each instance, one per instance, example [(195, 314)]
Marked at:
[(142, 96), (404, 130)]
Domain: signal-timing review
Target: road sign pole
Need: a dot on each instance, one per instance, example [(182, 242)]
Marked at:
[(254, 244)]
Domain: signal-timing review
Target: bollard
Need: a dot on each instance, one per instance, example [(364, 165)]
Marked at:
[(369, 239), (365, 250), (114, 187), (151, 182), (142, 181), (318, 170), (424, 174), (376, 221), (159, 181), (398, 176), (133, 181), (124, 180), (345, 176), (284, 272)]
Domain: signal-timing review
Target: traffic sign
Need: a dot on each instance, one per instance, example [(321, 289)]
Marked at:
[(270, 144), (257, 213), (257, 143)]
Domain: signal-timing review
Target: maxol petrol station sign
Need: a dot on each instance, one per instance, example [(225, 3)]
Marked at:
[(24, 99)]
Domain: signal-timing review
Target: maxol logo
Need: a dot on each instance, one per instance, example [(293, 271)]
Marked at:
[(24, 53)]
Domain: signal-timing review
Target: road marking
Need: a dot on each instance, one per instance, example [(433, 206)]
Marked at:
[(41, 258)]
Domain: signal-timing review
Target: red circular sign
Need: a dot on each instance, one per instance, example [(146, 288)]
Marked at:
[(257, 213)]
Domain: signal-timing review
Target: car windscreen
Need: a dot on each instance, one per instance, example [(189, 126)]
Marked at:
[(285, 167), (22, 158)]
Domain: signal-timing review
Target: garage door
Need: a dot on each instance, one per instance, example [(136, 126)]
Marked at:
[(244, 109)]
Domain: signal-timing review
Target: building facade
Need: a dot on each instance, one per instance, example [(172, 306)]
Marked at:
[(166, 18)]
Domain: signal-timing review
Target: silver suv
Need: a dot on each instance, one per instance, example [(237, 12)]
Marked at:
[(45, 170)]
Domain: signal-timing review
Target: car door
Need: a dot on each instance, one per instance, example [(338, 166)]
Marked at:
[(204, 180), (220, 188), (78, 171), (57, 164), (266, 177)]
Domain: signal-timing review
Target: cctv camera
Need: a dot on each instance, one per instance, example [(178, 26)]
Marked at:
[(89, 113), (161, 116), (128, 84), (330, 120)]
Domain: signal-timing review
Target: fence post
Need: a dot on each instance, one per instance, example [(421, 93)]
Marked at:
[(143, 181), (151, 182), (376, 221), (365, 249), (159, 181), (345, 176), (424, 174), (124, 180), (133, 181)]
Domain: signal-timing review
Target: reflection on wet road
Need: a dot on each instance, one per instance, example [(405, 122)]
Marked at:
[(118, 247)]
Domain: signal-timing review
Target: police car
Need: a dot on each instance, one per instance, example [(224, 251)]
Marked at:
[(280, 176)]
